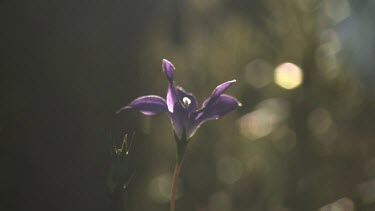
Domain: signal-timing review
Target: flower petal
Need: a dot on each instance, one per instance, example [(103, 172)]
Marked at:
[(223, 105), (149, 105), (179, 119), (217, 92), (172, 98), (178, 114), (191, 103), (168, 69)]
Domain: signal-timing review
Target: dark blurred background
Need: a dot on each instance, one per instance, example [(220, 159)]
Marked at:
[(303, 139)]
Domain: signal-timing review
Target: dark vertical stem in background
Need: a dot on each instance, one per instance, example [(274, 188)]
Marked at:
[(301, 164), (117, 199)]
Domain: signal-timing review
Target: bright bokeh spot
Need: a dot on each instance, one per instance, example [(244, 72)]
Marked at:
[(288, 76), (256, 124), (261, 122)]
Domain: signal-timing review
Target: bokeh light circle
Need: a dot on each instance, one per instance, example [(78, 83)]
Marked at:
[(288, 76)]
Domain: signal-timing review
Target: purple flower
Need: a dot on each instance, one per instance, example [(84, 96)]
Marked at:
[(182, 107)]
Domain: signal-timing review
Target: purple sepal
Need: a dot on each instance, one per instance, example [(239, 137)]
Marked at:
[(149, 105)]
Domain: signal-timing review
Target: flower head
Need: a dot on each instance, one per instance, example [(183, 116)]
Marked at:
[(182, 107)]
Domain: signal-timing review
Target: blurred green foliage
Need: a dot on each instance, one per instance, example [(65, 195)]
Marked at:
[(303, 139), (299, 147)]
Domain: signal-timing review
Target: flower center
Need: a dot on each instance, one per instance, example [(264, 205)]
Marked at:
[(186, 102)]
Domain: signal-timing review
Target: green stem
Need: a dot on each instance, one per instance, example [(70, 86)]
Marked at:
[(174, 186), (181, 148)]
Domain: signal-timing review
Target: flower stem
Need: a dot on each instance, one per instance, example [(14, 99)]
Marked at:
[(181, 147), (174, 186)]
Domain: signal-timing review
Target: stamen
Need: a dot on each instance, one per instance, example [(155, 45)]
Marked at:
[(186, 101)]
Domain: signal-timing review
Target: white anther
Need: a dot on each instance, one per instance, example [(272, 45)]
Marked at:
[(186, 101)]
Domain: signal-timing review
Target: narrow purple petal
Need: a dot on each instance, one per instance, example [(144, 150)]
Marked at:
[(222, 105), (179, 114), (179, 119), (168, 69), (172, 98), (149, 105), (188, 100), (217, 92)]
